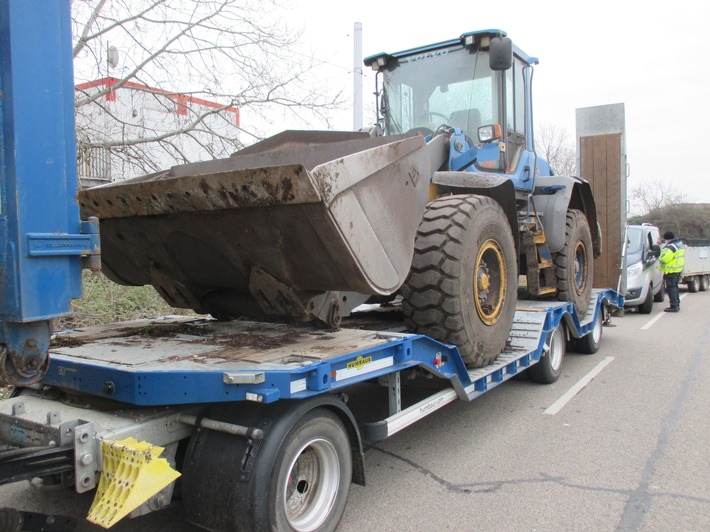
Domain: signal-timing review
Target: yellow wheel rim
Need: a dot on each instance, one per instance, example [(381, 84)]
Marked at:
[(490, 282), (580, 267)]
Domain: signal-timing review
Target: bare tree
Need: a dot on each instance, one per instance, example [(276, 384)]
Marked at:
[(652, 195), (552, 143), (235, 53)]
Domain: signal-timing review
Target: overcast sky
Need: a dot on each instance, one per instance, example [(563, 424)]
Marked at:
[(650, 56)]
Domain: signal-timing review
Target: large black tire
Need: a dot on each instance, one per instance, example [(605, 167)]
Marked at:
[(647, 306), (661, 295), (462, 286), (574, 263), (703, 283), (312, 476), (296, 477), (549, 368)]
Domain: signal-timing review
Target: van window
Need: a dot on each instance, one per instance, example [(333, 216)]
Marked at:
[(635, 240)]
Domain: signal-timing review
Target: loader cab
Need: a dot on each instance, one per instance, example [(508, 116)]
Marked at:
[(466, 88)]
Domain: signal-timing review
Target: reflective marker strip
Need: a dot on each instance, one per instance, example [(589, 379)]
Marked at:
[(343, 374), (298, 386)]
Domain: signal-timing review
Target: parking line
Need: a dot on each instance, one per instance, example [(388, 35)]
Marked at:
[(658, 316), (574, 390)]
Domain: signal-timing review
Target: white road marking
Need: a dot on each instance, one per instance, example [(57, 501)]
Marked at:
[(574, 390), (658, 316)]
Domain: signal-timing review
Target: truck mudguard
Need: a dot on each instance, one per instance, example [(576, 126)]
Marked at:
[(495, 186), (236, 482)]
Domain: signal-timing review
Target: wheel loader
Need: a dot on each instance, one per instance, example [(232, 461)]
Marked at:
[(443, 202)]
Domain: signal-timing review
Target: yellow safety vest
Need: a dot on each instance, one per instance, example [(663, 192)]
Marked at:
[(672, 258)]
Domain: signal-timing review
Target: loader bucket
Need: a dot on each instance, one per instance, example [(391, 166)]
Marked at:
[(266, 230)]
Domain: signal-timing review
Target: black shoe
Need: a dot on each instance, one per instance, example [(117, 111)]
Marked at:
[(671, 309)]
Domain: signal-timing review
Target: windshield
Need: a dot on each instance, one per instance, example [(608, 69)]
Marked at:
[(452, 86), (634, 244), (635, 240)]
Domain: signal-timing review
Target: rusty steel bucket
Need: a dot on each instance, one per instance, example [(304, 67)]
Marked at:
[(272, 228)]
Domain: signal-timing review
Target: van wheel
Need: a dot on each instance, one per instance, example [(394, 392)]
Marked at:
[(647, 306), (703, 283), (661, 295)]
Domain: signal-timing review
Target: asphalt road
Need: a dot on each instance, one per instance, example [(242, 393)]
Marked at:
[(628, 451)]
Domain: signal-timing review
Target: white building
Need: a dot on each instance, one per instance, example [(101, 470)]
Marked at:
[(125, 117)]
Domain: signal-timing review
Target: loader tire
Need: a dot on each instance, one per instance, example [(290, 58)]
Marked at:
[(462, 286), (574, 263)]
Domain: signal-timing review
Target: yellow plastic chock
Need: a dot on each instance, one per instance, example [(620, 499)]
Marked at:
[(132, 473)]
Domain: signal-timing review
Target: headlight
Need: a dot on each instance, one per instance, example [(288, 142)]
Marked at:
[(634, 270)]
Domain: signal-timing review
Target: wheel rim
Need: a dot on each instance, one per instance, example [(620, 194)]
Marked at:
[(311, 485), (489, 285), (580, 267), (554, 345)]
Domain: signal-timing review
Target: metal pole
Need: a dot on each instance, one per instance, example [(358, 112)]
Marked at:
[(357, 79)]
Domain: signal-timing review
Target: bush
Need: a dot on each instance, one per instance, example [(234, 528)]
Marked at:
[(104, 301)]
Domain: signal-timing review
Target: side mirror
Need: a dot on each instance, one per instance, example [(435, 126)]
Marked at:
[(500, 55), (655, 250), (383, 102)]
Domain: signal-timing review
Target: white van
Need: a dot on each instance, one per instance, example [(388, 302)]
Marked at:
[(644, 278)]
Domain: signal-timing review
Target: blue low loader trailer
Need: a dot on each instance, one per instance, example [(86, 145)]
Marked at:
[(345, 285), (246, 410)]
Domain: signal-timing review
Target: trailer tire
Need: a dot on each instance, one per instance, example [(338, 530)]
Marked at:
[(549, 368), (462, 286), (703, 283), (661, 295), (694, 284), (647, 306), (590, 342), (312, 475), (574, 263), (231, 483)]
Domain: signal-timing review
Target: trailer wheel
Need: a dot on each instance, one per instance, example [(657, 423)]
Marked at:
[(549, 368), (574, 263), (590, 342), (703, 283), (694, 284), (462, 286), (647, 306), (312, 474), (661, 295)]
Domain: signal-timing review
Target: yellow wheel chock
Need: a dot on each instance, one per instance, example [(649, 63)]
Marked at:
[(132, 473)]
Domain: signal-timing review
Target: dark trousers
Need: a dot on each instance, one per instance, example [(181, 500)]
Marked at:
[(671, 280)]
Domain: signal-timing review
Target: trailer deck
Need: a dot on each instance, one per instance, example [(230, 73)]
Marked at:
[(180, 360)]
